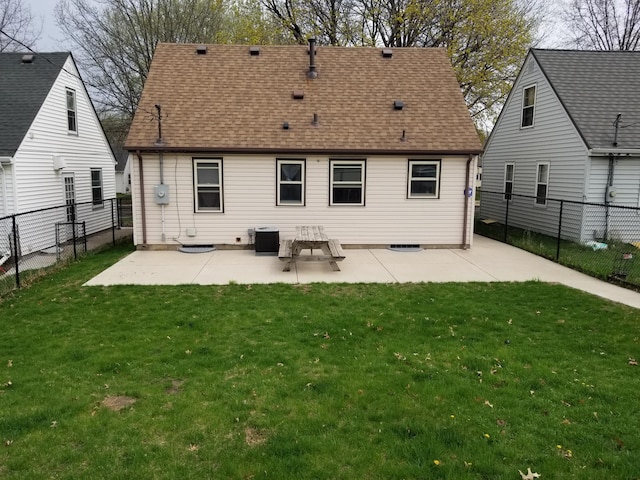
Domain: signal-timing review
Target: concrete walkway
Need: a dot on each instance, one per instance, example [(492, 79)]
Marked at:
[(487, 261)]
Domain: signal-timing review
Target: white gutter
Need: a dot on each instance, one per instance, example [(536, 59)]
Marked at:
[(603, 152), (4, 193)]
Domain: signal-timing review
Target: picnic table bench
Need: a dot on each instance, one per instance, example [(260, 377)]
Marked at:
[(310, 238)]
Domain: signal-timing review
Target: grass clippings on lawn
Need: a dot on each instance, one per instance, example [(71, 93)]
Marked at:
[(459, 381)]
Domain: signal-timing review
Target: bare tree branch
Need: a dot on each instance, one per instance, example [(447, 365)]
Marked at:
[(604, 24), (17, 21)]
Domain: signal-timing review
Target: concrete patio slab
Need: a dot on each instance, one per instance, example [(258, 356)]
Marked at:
[(486, 261)]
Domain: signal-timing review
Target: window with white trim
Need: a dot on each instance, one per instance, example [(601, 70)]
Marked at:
[(424, 179), (70, 196), (291, 178), (528, 106), (72, 115), (509, 171), (96, 187), (207, 184), (542, 183), (347, 182)]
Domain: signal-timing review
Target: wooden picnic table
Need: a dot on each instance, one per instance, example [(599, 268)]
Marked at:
[(311, 238)]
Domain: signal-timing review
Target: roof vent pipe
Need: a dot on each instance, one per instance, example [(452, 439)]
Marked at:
[(312, 59), (616, 124), (315, 122)]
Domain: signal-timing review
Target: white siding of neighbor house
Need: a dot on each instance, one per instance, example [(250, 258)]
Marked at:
[(122, 179), (388, 217), (553, 139), (38, 185)]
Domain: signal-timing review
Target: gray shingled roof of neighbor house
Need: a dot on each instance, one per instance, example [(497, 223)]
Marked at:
[(594, 87), (23, 89), (229, 100)]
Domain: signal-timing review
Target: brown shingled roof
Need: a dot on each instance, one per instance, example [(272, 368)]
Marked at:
[(231, 101)]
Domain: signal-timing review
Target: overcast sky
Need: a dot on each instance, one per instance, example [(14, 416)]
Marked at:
[(51, 38)]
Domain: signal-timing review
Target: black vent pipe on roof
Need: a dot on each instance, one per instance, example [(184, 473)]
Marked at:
[(312, 59)]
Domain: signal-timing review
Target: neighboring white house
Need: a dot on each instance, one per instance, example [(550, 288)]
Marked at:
[(123, 171), (53, 150), (569, 130), (376, 145)]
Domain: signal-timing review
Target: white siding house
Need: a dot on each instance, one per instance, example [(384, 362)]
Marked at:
[(569, 130), (368, 145), (53, 150)]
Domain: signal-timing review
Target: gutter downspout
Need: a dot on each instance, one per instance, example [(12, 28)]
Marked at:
[(4, 191), (607, 190), (467, 189), (143, 211)]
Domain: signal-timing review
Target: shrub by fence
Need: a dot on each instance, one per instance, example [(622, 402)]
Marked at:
[(32, 241), (602, 240)]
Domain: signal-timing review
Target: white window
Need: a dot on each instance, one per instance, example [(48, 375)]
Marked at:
[(542, 183), (72, 117), (96, 187), (347, 182), (207, 184), (424, 179), (528, 106), (509, 171), (291, 177), (70, 196)]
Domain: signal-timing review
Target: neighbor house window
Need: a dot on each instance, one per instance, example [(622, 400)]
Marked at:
[(70, 196), (424, 179), (72, 116), (528, 106), (542, 183), (290, 181), (96, 186), (207, 185), (347, 182), (509, 170)]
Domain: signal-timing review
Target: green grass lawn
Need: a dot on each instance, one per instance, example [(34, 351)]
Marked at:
[(457, 381)]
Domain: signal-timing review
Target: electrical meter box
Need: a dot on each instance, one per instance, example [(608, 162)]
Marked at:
[(161, 193)]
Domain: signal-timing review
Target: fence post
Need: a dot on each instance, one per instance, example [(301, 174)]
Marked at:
[(75, 251), (16, 249), (559, 230), (84, 235), (506, 219), (113, 221)]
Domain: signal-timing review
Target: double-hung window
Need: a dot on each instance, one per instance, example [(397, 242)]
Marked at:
[(72, 114), (542, 183), (347, 182), (291, 177), (207, 184), (424, 179), (528, 106), (509, 171), (96, 187)]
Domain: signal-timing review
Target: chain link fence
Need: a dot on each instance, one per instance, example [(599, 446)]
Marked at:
[(33, 241), (599, 239)]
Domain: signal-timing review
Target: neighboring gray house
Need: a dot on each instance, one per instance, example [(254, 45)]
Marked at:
[(570, 130), (53, 151)]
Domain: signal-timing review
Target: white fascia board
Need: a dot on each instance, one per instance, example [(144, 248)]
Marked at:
[(603, 152)]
